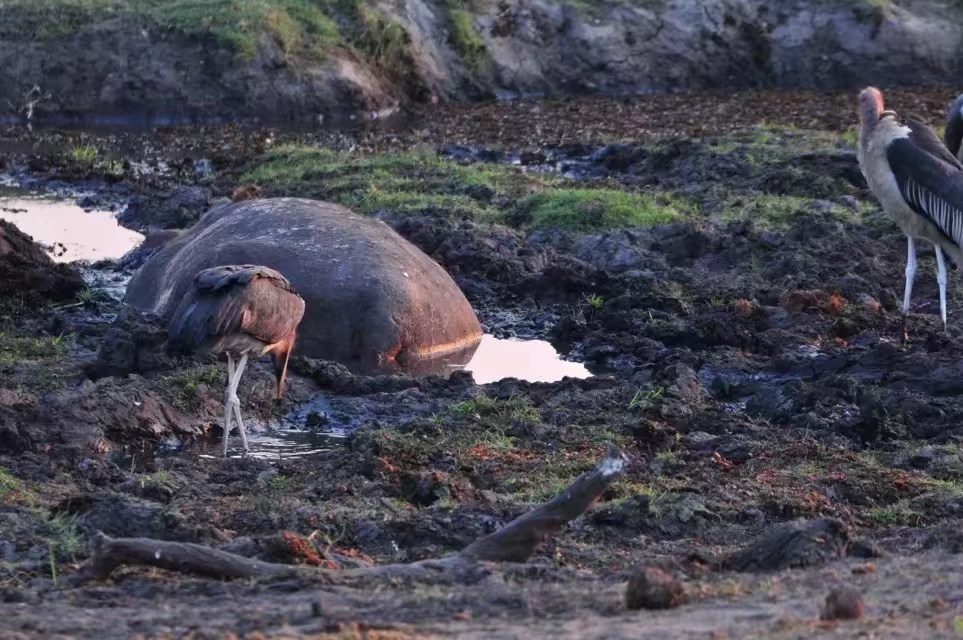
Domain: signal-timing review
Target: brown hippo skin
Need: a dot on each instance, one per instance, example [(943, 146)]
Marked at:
[(372, 299)]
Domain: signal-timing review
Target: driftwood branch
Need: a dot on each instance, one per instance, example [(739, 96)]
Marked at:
[(186, 557), (520, 538), (515, 542)]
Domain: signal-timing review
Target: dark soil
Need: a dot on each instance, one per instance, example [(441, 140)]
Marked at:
[(782, 442)]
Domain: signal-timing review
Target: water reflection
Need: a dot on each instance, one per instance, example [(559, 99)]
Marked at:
[(66, 231), (489, 360), (272, 446), (531, 360)]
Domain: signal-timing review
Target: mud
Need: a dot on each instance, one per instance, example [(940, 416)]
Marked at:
[(782, 443)]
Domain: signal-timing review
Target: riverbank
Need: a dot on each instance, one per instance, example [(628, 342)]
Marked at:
[(744, 334), (131, 62)]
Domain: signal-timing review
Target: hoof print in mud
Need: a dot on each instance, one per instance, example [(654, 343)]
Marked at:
[(652, 588)]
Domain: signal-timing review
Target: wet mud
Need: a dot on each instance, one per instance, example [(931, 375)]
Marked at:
[(782, 441)]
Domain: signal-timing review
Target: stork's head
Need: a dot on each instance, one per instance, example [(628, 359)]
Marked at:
[(870, 106)]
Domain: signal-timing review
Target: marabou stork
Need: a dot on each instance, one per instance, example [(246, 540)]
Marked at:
[(918, 181), (238, 310), (953, 133)]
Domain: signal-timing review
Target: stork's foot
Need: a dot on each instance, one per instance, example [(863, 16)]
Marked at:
[(903, 332)]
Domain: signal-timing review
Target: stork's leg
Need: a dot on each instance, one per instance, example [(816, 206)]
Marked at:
[(237, 403), (910, 276), (910, 273), (941, 280), (228, 401)]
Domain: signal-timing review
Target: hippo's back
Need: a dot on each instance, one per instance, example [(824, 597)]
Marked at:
[(370, 295)]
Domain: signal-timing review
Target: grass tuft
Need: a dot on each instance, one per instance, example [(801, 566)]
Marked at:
[(595, 209), (14, 349)]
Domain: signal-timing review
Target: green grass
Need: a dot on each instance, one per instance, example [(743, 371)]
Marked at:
[(776, 212), (501, 445), (14, 349), (595, 209), (184, 388), (63, 537), (84, 154), (463, 37), (296, 25), (424, 183), (9, 485)]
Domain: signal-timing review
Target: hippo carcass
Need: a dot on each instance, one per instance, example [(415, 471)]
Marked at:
[(372, 299)]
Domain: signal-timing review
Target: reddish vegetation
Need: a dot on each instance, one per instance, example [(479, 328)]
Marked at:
[(832, 304)]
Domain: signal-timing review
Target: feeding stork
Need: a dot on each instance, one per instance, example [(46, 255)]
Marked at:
[(241, 311), (918, 182)]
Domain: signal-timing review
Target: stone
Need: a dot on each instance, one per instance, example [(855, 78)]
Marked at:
[(373, 300), (844, 604), (652, 588), (29, 275)]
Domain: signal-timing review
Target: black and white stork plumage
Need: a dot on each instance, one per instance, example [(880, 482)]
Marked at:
[(241, 311), (917, 180), (953, 133)]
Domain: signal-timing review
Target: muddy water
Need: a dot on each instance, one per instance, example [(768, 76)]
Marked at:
[(69, 233), (326, 420), (66, 231)]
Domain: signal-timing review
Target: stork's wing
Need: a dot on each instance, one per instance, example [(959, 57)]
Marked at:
[(236, 299), (924, 138), (267, 311), (931, 186), (228, 275), (953, 133)]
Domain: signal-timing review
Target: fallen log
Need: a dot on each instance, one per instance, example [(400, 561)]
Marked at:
[(515, 542), (520, 538)]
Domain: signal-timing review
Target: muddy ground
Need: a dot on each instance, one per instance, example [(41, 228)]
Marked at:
[(750, 367)]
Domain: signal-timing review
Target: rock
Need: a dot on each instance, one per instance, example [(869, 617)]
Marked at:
[(844, 604), (653, 588), (792, 545), (120, 409), (820, 206), (315, 419), (850, 202), (243, 546), (133, 344), (123, 516), (177, 209), (373, 300), (153, 242), (922, 459), (30, 277), (517, 48)]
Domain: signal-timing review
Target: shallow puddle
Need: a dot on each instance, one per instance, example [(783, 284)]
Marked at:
[(66, 231), (529, 360), (273, 445), (325, 420)]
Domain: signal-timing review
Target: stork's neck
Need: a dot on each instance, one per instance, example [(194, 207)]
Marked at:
[(869, 117)]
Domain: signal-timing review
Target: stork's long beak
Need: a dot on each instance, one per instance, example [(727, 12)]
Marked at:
[(281, 358)]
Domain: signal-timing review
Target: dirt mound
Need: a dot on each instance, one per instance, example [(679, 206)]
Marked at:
[(30, 277)]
